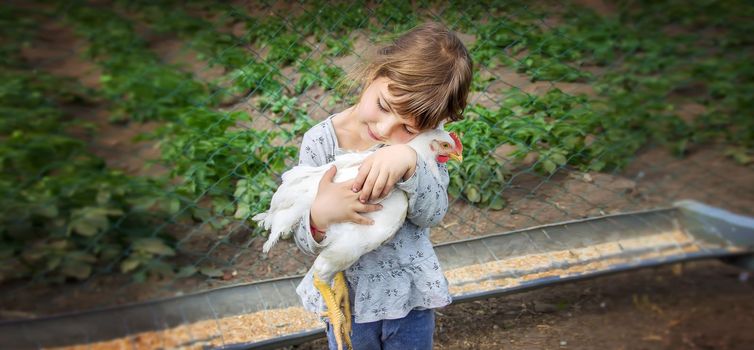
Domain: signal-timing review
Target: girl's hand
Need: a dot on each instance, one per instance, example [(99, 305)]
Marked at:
[(336, 202), (380, 171)]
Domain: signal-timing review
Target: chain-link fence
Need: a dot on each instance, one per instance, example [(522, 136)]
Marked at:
[(139, 137)]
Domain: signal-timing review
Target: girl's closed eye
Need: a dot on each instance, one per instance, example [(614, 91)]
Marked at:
[(405, 126), (379, 105)]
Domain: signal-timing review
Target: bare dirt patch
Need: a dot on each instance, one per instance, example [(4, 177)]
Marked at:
[(58, 51), (116, 143), (173, 51)]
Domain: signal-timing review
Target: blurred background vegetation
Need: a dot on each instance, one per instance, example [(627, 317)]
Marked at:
[(130, 129)]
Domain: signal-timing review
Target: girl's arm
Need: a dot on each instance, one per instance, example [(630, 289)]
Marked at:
[(427, 196), (313, 154), (335, 202)]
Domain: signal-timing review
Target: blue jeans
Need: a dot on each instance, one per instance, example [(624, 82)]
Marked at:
[(413, 332)]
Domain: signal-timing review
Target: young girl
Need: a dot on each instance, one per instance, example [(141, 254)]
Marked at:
[(412, 85)]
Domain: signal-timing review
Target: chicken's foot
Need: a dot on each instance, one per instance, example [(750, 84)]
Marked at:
[(333, 312), (341, 297)]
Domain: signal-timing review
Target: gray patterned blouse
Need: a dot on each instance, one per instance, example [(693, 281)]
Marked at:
[(402, 274)]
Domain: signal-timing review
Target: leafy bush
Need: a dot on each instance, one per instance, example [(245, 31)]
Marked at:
[(64, 214)]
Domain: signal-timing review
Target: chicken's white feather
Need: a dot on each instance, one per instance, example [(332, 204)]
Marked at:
[(296, 194)]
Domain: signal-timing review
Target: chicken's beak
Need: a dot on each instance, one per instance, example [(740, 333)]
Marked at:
[(456, 156), (457, 153)]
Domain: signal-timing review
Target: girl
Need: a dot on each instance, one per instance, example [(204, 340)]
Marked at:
[(411, 85)]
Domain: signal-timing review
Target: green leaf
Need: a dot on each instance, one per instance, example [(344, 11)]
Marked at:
[(53, 262), (89, 221), (549, 166), (110, 252), (211, 272), (77, 269), (103, 197), (129, 264), (80, 256), (472, 194), (49, 211), (498, 203), (153, 246), (558, 158), (243, 211), (186, 271), (89, 227), (174, 205), (143, 203), (201, 214), (739, 154), (219, 224), (597, 165)]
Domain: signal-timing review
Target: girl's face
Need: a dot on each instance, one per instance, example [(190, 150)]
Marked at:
[(378, 123)]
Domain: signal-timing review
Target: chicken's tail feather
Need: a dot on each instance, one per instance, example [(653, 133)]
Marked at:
[(259, 217), (265, 220), (292, 199), (280, 224), (271, 241)]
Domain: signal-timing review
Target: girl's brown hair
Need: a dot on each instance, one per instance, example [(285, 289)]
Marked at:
[(430, 72)]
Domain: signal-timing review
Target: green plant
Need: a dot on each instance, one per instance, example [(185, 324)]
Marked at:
[(140, 87), (64, 214), (215, 159)]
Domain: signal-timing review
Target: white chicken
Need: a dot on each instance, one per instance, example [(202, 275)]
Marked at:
[(294, 198)]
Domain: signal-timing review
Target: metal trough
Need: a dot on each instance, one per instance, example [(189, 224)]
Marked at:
[(476, 268)]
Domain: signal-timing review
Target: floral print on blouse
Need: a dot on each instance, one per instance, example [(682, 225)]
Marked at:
[(402, 274)]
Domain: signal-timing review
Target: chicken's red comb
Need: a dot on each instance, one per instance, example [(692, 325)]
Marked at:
[(457, 140)]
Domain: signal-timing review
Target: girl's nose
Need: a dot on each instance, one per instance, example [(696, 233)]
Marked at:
[(382, 131), (385, 127)]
